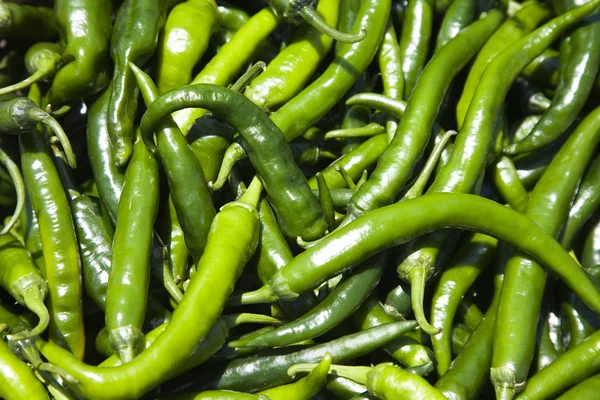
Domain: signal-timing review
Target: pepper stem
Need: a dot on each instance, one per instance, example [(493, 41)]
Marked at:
[(55, 127), (35, 303), (258, 296), (170, 284), (417, 278), (252, 195), (248, 76), (312, 17), (356, 374), (15, 175), (33, 78), (233, 154), (233, 320), (326, 201), (418, 187), (369, 130)]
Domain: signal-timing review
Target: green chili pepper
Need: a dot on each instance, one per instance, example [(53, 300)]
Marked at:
[(347, 296), (385, 381), (524, 282), (315, 265), (344, 388), (506, 179), (264, 371), (390, 65), (17, 380), (458, 16), (298, 211), (570, 368), (395, 166), (590, 257), (578, 70), (206, 347), (272, 254), (475, 139), (232, 18), (19, 277), (134, 40), (108, 177), (405, 349), (42, 60), (189, 191), (585, 204), (184, 41), (467, 373), (21, 115), (289, 72), (59, 243), (321, 95), (543, 70), (469, 261), (306, 387), (18, 186), (212, 283), (127, 291), (414, 41), (584, 390), (226, 64), (85, 29), (27, 22), (295, 11), (524, 21)]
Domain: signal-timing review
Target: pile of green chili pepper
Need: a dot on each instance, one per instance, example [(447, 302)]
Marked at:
[(401, 196)]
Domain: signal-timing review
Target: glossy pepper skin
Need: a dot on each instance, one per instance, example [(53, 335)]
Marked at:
[(396, 164), (298, 211), (524, 279), (20, 277), (189, 191), (134, 40), (223, 68), (264, 371), (382, 228), (347, 296), (474, 255), (585, 204), (458, 16), (59, 242), (584, 390), (389, 382), (27, 22), (414, 41), (404, 349), (514, 28), (351, 60), (293, 67), (108, 177), (580, 62), (95, 238), (272, 254), (127, 292), (184, 41), (573, 366), (234, 231), (476, 137), (85, 30)]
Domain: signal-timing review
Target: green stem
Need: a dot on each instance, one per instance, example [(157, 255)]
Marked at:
[(248, 76), (36, 76), (55, 127), (233, 154), (419, 186), (417, 278), (17, 179), (311, 17), (356, 374)]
